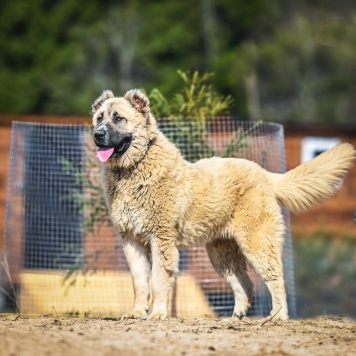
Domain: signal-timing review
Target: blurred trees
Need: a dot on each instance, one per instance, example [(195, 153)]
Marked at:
[(41, 62), (283, 61)]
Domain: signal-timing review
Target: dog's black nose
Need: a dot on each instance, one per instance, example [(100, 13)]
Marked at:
[(99, 135)]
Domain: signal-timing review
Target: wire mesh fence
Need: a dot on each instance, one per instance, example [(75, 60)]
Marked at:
[(61, 254)]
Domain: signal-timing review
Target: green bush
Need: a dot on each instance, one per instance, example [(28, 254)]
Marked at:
[(189, 111)]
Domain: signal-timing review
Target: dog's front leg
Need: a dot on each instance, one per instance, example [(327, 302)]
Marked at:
[(165, 257), (137, 257)]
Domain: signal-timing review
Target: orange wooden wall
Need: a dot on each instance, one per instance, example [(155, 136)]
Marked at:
[(337, 213)]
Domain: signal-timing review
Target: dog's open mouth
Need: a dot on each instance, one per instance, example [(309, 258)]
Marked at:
[(105, 153)]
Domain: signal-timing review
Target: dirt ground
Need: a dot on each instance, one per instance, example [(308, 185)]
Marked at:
[(51, 335)]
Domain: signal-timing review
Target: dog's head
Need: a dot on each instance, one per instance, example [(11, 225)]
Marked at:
[(124, 128)]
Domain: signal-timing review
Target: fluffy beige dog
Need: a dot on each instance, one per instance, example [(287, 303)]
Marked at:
[(159, 202)]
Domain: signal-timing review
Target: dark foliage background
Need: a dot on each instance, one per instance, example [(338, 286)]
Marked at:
[(283, 60)]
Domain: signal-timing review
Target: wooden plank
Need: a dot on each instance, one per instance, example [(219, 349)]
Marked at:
[(101, 294), (6, 120)]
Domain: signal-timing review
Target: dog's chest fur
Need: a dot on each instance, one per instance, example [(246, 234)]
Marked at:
[(127, 199)]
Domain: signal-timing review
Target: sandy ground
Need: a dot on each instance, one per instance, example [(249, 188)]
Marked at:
[(51, 335)]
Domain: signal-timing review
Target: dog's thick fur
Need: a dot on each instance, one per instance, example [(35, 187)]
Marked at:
[(159, 202)]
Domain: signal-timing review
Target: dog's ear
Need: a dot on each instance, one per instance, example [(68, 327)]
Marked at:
[(106, 94), (138, 100)]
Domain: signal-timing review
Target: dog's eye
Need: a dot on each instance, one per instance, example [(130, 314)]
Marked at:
[(116, 117), (100, 118)]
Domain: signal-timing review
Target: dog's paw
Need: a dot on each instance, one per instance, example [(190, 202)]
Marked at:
[(135, 314), (279, 314), (282, 317), (158, 316), (239, 315), (240, 309)]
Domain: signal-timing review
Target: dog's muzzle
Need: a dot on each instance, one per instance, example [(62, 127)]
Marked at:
[(118, 142)]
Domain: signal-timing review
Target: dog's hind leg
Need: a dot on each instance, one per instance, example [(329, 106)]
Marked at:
[(137, 256), (270, 269), (228, 261), (261, 243)]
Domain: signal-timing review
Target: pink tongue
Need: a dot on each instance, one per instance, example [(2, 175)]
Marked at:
[(105, 153)]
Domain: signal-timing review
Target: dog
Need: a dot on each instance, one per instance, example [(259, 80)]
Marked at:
[(159, 202)]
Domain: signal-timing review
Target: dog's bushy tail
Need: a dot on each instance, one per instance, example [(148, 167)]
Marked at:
[(313, 181)]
